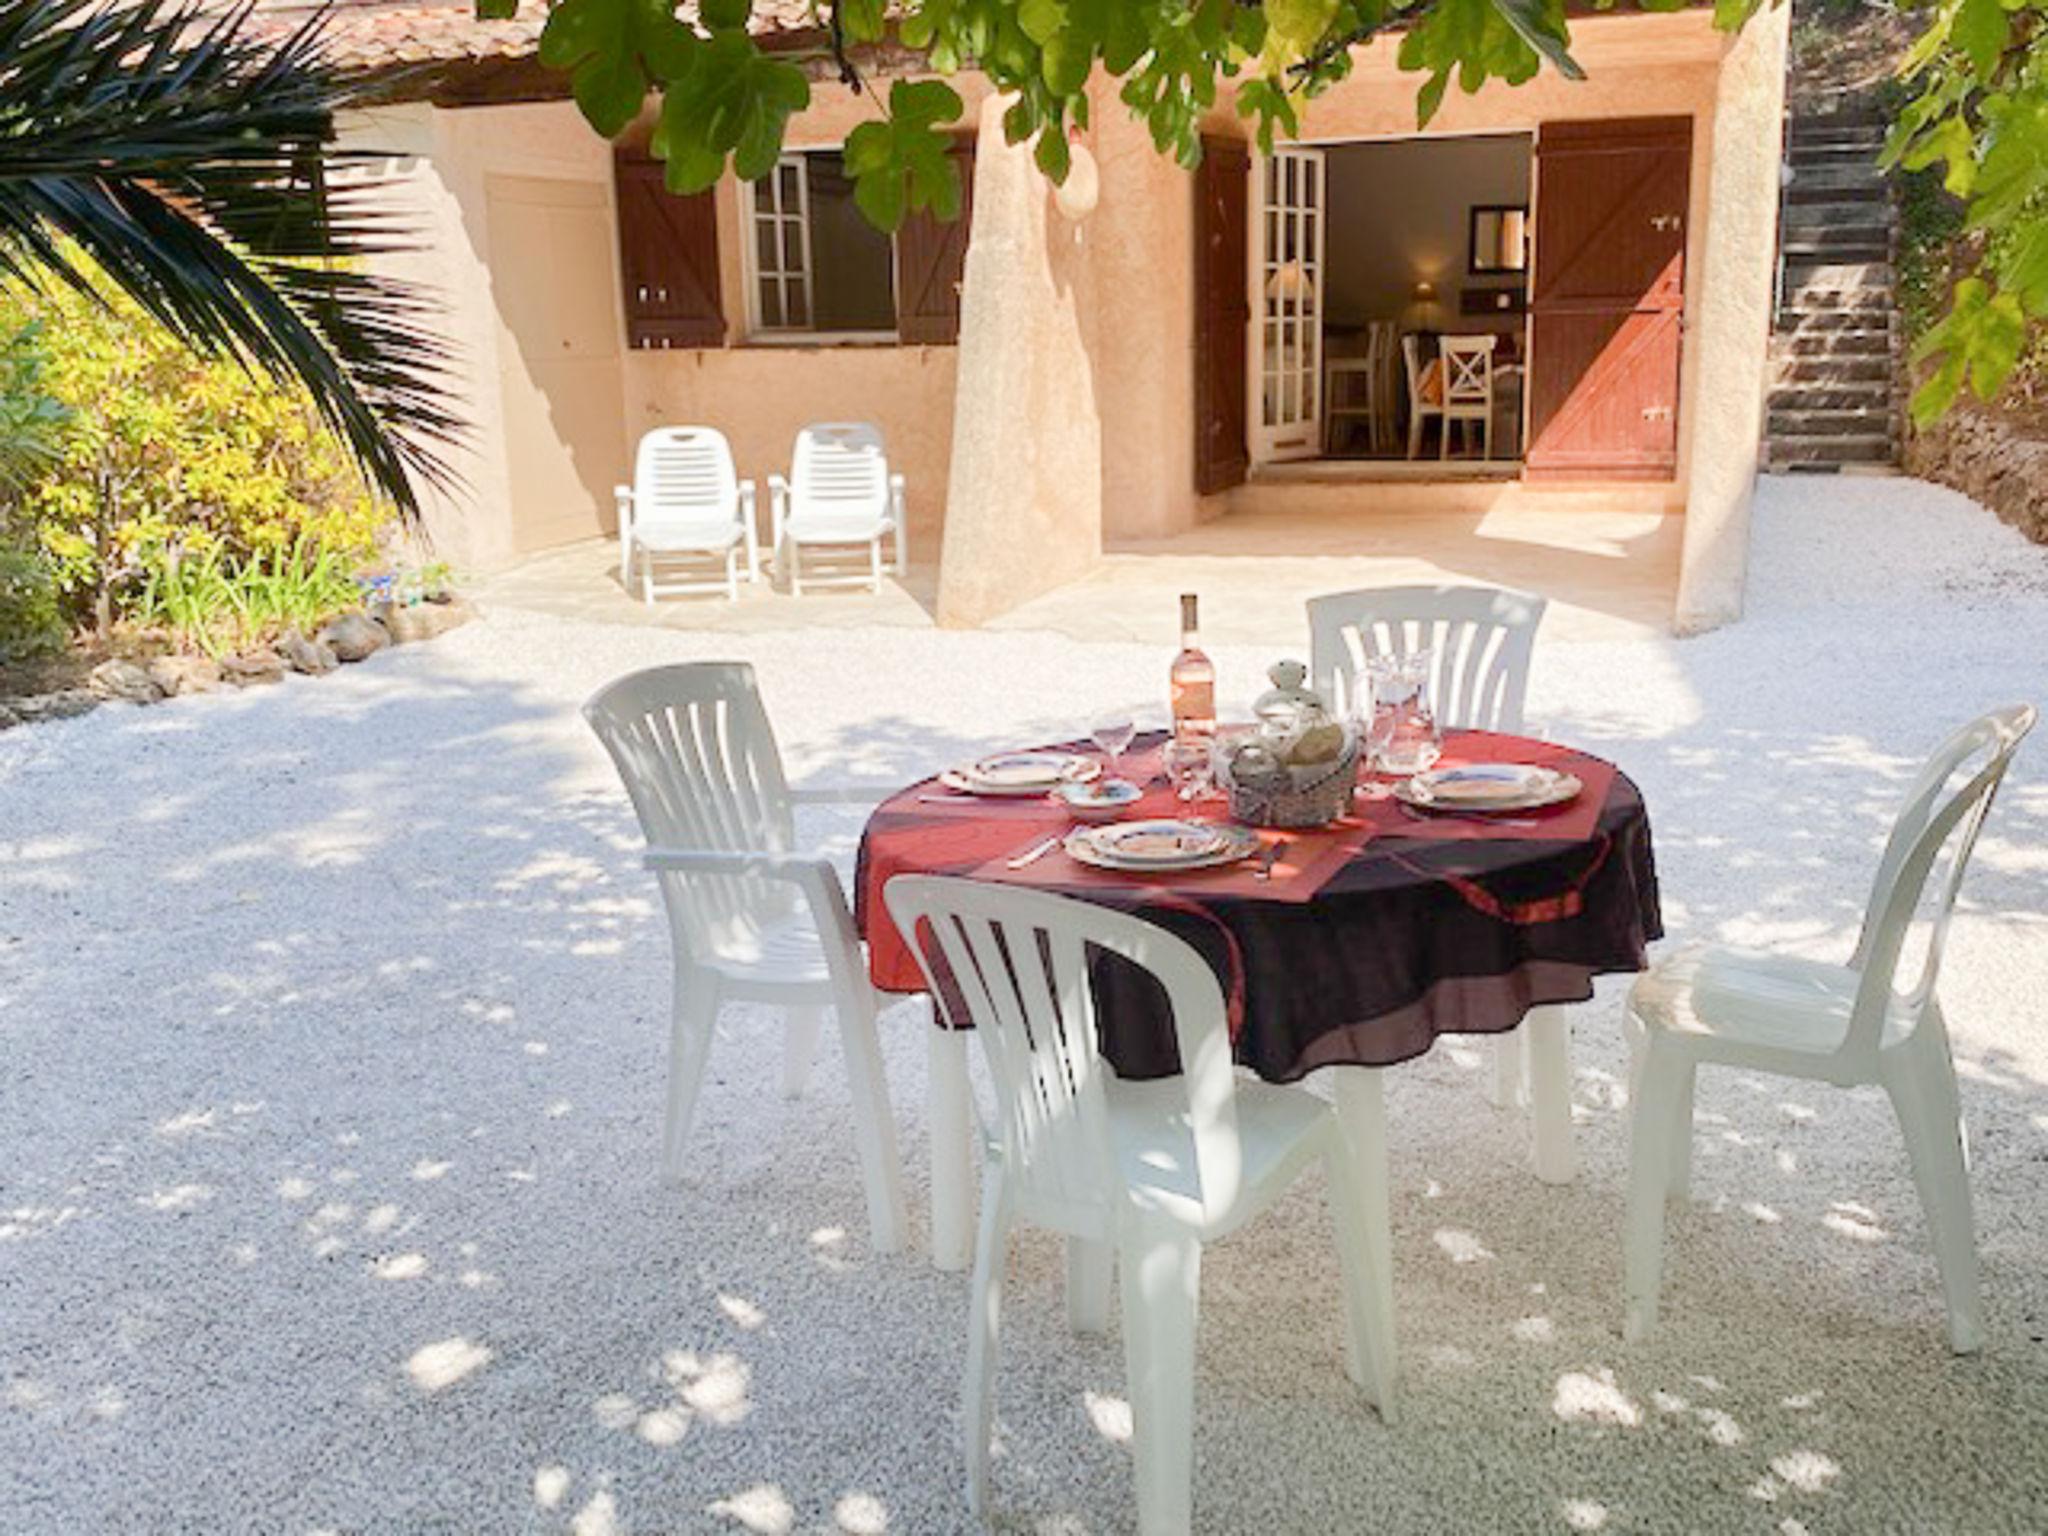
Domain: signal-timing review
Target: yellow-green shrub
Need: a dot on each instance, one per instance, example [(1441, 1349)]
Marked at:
[(168, 459)]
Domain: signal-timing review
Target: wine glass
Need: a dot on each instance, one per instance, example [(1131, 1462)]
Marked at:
[(1112, 734), (1188, 766)]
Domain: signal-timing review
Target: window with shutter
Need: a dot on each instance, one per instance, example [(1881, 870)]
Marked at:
[(931, 261), (668, 259), (1222, 313)]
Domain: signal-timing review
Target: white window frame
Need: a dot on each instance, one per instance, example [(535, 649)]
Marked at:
[(1295, 385), (752, 213)]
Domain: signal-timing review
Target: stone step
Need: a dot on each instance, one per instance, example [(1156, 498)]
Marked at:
[(1843, 246), (1787, 372), (1867, 341), (1808, 421), (1839, 276), (1804, 191), (1869, 219), (1837, 130), (1835, 395), (1835, 301), (1818, 322), (1846, 176), (1859, 448)]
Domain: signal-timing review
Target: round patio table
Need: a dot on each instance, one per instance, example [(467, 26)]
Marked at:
[(1368, 940)]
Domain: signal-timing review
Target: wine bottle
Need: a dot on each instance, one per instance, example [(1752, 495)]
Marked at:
[(1193, 681)]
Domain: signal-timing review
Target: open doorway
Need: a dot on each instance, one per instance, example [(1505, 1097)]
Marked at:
[(1393, 285)]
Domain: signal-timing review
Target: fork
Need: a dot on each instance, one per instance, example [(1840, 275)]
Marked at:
[(1034, 853)]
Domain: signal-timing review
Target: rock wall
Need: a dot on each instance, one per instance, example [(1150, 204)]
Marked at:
[(1990, 459)]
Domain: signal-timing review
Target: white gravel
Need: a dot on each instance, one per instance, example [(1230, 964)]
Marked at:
[(331, 1050)]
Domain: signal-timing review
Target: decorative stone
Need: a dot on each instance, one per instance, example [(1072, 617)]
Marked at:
[(414, 622), (254, 670), (185, 674), (8, 718), (119, 678), (354, 636), (313, 657), (65, 704)]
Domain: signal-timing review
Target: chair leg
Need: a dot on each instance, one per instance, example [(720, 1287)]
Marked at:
[(796, 573), (800, 1049), (1091, 1271), (1415, 435), (1360, 1093), (693, 1019), (1923, 1094), (875, 564), (949, 1113), (984, 1331), (1509, 1083), (1549, 1029), (1161, 1270), (1443, 437), (874, 1127), (1649, 1181), (732, 575), (1680, 1187)]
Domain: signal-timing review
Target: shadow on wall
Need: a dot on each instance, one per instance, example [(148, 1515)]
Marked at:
[(330, 1104)]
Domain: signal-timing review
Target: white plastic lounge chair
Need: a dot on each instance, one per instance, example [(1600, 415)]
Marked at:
[(840, 492), (685, 503), (749, 917)]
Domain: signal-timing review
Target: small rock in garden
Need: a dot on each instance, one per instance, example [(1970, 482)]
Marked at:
[(312, 657), (8, 718), (64, 704), (119, 678), (185, 674), (424, 621), (354, 636), (253, 669)]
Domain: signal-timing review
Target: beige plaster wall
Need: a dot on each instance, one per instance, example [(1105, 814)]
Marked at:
[(530, 310)]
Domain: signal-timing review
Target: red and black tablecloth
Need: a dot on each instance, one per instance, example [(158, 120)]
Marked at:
[(1372, 937)]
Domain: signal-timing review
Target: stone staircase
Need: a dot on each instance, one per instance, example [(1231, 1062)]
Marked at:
[(1833, 402)]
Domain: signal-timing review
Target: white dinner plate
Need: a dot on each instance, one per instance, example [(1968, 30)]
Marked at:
[(1160, 846), (1021, 773), (1484, 787)]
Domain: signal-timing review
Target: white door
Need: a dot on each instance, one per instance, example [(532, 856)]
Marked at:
[(1287, 299)]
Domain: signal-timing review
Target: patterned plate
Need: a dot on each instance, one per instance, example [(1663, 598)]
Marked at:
[(1157, 846), (1021, 773), (1483, 787)]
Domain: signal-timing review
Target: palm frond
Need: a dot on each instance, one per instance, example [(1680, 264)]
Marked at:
[(193, 163)]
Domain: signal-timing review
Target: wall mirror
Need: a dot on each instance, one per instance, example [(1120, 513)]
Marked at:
[(1499, 239)]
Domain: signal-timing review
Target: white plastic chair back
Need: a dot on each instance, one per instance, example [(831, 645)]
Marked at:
[(684, 485), (1468, 369), (693, 745), (1937, 827), (838, 482), (1480, 641), (1019, 960)]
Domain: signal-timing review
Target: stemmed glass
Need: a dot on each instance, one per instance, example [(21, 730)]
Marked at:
[(1189, 767), (1112, 733)]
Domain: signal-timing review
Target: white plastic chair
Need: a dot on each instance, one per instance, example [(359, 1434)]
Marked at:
[(749, 917), (1480, 641), (840, 491), (1468, 388), (685, 501), (1152, 1171), (1849, 1025)]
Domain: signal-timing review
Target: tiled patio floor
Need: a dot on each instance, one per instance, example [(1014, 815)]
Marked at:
[(1608, 574)]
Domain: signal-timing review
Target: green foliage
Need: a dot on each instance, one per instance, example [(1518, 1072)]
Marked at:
[(1979, 110), (30, 625), (178, 480), (31, 418), (724, 101)]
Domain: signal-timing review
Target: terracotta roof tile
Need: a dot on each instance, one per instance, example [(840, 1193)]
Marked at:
[(374, 35)]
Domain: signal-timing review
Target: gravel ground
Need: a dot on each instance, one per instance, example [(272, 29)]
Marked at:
[(331, 1033)]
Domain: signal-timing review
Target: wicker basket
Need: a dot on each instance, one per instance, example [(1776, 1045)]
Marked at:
[(1310, 796)]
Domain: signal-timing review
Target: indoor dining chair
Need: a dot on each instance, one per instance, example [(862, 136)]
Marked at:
[(840, 493), (1851, 1025), (1480, 642), (1151, 1170), (750, 917), (685, 503), (1467, 389)]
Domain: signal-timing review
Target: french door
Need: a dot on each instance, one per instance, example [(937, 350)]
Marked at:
[(1287, 302)]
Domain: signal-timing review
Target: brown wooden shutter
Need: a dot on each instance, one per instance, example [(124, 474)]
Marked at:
[(1222, 311), (931, 262), (1607, 308), (668, 258)]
